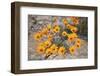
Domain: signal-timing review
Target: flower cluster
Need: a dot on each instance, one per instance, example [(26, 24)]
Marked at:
[(47, 38)]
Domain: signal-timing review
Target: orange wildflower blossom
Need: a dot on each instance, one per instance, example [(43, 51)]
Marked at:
[(56, 29), (40, 49), (37, 36), (78, 45), (45, 31), (61, 51), (72, 49), (54, 48), (47, 43), (64, 20), (74, 35), (78, 40), (69, 26), (70, 37), (76, 21), (64, 33), (50, 37), (74, 29), (48, 52)]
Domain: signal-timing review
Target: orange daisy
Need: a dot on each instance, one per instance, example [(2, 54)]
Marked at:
[(64, 33), (72, 49), (61, 51), (40, 50)]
